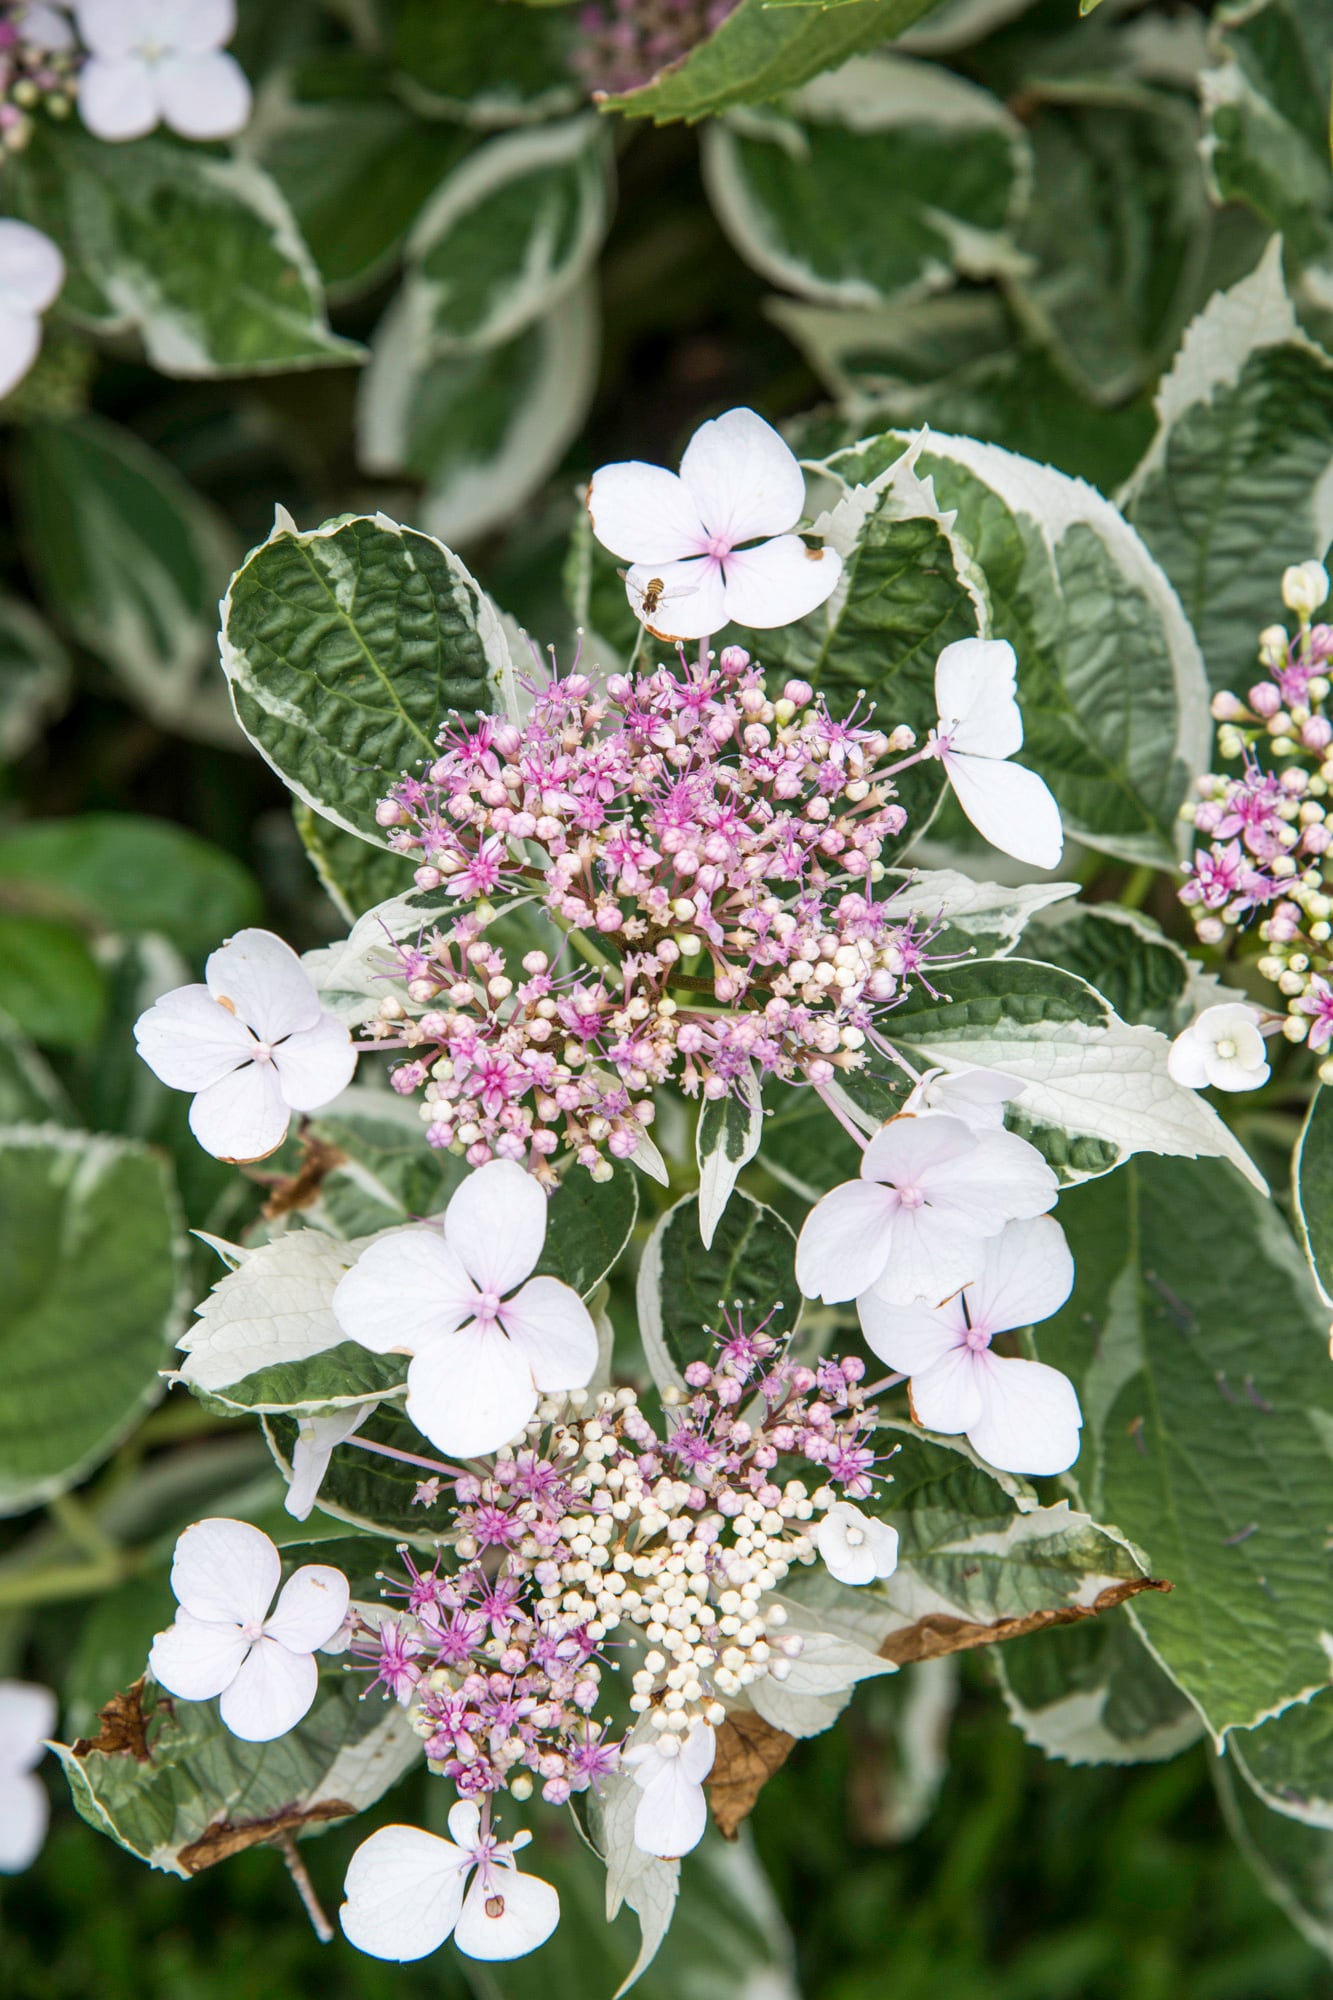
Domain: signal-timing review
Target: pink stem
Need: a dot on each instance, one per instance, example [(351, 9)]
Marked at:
[(410, 1458), (852, 1131), (885, 1382)]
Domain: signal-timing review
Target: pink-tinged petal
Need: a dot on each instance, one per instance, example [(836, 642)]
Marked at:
[(243, 1116), (779, 582), (315, 1065), (270, 1694), (1030, 1418), (1186, 1063), (672, 1814), (204, 96), (32, 269), (190, 1042), (1010, 807), (225, 1571), (1027, 1275), (644, 514), (743, 479), (929, 1257), (910, 1337), (495, 1225), (974, 693), (844, 1242), (311, 1606), (910, 1146), (471, 1393), (193, 27), (20, 343), (1000, 1178), (403, 1292), (404, 1891), (27, 1718), (117, 97), (506, 1915), (550, 1325), (266, 983), (22, 1822), (196, 1659), (689, 601), (947, 1397)]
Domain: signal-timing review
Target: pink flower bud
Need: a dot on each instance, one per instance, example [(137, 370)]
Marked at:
[(1317, 733), (427, 878), (1226, 707), (1265, 699)]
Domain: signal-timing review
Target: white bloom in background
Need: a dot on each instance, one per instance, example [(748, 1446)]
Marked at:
[(316, 1438), (1304, 588), (931, 1191), (979, 729), (45, 25), (1020, 1416), (856, 1548), (32, 271), (27, 1718), (480, 1357), (230, 1639), (154, 62), (408, 1890), (255, 1043), (977, 1096), (1223, 1047), (713, 543), (670, 1772)]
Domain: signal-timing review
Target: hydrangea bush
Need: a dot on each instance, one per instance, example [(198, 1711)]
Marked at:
[(725, 1218)]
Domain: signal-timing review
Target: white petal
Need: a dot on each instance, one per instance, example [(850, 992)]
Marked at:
[(691, 602), (1027, 1275), (404, 1292), (947, 1397), (20, 343), (844, 1242), (110, 27), (1010, 807), (117, 98), (999, 1178), (45, 27), (643, 513), (550, 1325), (873, 1553), (404, 1891), (506, 1915), (315, 1065), (929, 1255), (907, 1336), (23, 1819), (200, 25), (906, 1148), (27, 1718), (974, 692), (266, 983), (672, 1814), (225, 1570), (743, 479), (32, 269), (314, 1448), (471, 1392), (977, 1096), (779, 582), (270, 1694), (1230, 1074), (1029, 1418), (464, 1824), (190, 1042), (203, 96), (196, 1658), (697, 1752), (311, 1606), (496, 1225), (1185, 1062), (243, 1116)]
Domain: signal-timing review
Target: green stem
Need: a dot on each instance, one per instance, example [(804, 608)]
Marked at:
[(78, 1523), (51, 1586), (1136, 890)]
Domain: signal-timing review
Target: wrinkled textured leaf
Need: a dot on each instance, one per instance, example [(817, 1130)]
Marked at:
[(1312, 1188)]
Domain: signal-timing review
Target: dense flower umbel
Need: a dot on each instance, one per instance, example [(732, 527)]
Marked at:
[(623, 43), (598, 1532), (1268, 827), (712, 853)]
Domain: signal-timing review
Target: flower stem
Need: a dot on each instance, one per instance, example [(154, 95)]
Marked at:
[(305, 1889), (409, 1458), (885, 1382)]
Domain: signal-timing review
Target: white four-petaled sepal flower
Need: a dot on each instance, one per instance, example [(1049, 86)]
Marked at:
[(977, 1096), (230, 1639), (714, 543), (484, 1344), (670, 1772), (1304, 588), (1222, 1046), (316, 1439), (979, 729), (255, 1043), (27, 1719), (153, 62), (856, 1548), (32, 271), (408, 1890), (931, 1191), (1019, 1415)]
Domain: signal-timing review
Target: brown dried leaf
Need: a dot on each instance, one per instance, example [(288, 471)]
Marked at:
[(122, 1732), (749, 1751), (938, 1633), (302, 1188), (224, 1840)]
